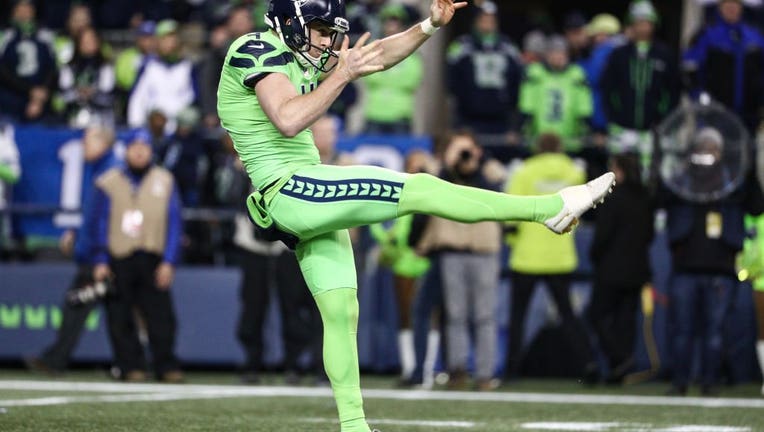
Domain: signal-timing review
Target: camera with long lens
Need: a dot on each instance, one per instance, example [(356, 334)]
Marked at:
[(90, 293)]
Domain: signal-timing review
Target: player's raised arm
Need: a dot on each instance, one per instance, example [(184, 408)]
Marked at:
[(291, 112), (397, 47)]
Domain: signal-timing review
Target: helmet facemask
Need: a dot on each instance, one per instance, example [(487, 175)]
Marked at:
[(295, 32)]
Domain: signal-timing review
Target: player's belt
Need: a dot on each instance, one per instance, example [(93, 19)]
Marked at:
[(264, 224)]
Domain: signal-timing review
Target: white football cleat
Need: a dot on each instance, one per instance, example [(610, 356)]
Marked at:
[(576, 200)]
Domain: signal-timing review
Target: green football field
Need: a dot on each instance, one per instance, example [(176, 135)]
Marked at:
[(87, 401)]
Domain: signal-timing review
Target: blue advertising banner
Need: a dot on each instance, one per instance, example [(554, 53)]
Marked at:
[(53, 176), (206, 301), (206, 304)]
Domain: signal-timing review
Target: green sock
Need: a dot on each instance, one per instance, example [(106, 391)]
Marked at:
[(423, 193), (339, 313)]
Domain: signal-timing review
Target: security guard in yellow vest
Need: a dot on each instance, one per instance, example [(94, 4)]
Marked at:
[(136, 234), (537, 256)]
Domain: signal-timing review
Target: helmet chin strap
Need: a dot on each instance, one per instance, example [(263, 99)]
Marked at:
[(306, 60)]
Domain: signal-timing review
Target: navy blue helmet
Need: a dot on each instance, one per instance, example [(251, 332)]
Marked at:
[(290, 19)]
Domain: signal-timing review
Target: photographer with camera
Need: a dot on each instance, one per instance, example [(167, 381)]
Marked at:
[(137, 230), (84, 294), (469, 265)]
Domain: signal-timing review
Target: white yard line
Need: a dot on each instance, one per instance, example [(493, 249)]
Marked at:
[(626, 427), (205, 391), (134, 397), (394, 422)]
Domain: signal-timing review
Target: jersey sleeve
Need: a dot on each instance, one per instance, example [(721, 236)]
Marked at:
[(251, 59)]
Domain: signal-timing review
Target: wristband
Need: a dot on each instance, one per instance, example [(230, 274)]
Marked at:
[(427, 27)]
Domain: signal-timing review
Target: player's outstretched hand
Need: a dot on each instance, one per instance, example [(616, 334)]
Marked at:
[(362, 59), (441, 11)]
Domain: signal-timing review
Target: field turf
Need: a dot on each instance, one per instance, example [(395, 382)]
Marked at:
[(88, 401)]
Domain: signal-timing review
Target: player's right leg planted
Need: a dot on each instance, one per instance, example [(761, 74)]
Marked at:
[(423, 193), (328, 266)]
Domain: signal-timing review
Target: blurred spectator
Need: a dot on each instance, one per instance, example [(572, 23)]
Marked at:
[(390, 95), (83, 295), (484, 73), (555, 98), (726, 60), (166, 81), (10, 172), (539, 255), (398, 254), (364, 17), (621, 265), (428, 317), (27, 67), (604, 31), (534, 46), (238, 23), (65, 44), (131, 60), (157, 124), (640, 84), (262, 263), (180, 154), (469, 265), (217, 13), (87, 83), (704, 238), (576, 35), (137, 230)]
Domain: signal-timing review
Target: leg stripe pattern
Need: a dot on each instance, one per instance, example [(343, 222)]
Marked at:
[(315, 190)]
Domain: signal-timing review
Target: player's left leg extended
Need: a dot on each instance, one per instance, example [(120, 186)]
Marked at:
[(327, 264)]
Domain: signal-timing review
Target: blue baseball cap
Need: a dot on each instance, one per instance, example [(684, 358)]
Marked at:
[(136, 136), (146, 28)]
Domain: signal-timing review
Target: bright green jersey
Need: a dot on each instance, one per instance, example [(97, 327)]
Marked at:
[(267, 155), (557, 102)]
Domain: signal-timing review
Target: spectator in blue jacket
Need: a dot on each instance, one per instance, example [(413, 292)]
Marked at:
[(604, 29), (484, 75), (82, 296), (136, 240), (726, 60), (28, 72)]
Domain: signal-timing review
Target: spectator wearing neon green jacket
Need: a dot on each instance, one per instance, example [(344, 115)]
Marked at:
[(555, 98), (538, 255), (391, 95), (130, 61)]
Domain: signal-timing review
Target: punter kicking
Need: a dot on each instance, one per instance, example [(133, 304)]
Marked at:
[(268, 97)]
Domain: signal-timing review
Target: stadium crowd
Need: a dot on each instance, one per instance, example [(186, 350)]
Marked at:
[(560, 107)]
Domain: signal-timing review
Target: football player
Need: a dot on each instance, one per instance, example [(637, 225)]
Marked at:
[(269, 95)]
